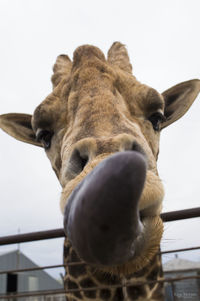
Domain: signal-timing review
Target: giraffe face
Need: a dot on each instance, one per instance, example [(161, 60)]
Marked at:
[(102, 111), (100, 129)]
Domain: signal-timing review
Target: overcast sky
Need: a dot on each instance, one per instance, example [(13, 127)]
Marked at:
[(162, 38)]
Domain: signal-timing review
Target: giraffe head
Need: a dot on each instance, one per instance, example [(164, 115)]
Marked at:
[(100, 129)]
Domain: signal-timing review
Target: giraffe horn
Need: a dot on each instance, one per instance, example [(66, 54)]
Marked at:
[(102, 215), (118, 56), (61, 69)]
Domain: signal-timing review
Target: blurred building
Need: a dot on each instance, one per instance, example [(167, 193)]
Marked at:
[(188, 289), (26, 281)]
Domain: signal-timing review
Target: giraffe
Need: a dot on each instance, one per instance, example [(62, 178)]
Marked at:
[(100, 129)]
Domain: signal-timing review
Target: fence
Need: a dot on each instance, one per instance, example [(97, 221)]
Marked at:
[(58, 233)]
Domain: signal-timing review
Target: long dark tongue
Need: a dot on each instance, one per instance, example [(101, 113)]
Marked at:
[(101, 217)]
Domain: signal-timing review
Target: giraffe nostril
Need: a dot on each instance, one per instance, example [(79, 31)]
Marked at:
[(138, 148), (77, 162), (83, 161)]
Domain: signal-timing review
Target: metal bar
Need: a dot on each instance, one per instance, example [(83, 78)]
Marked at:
[(33, 236), (43, 268), (32, 269), (180, 214), (179, 250), (57, 233), (31, 294), (83, 263), (62, 291)]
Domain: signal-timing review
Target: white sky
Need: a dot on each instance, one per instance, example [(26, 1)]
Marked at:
[(162, 38)]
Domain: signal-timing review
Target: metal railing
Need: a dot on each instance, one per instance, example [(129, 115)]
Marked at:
[(58, 233)]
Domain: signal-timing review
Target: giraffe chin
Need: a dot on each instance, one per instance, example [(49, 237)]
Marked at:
[(148, 248), (101, 218)]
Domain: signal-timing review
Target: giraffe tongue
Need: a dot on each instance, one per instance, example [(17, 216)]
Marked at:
[(101, 218)]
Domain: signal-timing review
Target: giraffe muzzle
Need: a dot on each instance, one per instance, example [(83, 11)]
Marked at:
[(102, 217)]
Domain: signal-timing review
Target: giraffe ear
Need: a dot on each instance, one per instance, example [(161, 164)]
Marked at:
[(179, 99), (19, 126)]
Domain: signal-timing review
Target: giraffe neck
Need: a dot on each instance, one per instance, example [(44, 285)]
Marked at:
[(114, 289)]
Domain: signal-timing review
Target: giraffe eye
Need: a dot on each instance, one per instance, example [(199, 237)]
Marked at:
[(156, 119), (44, 137)]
